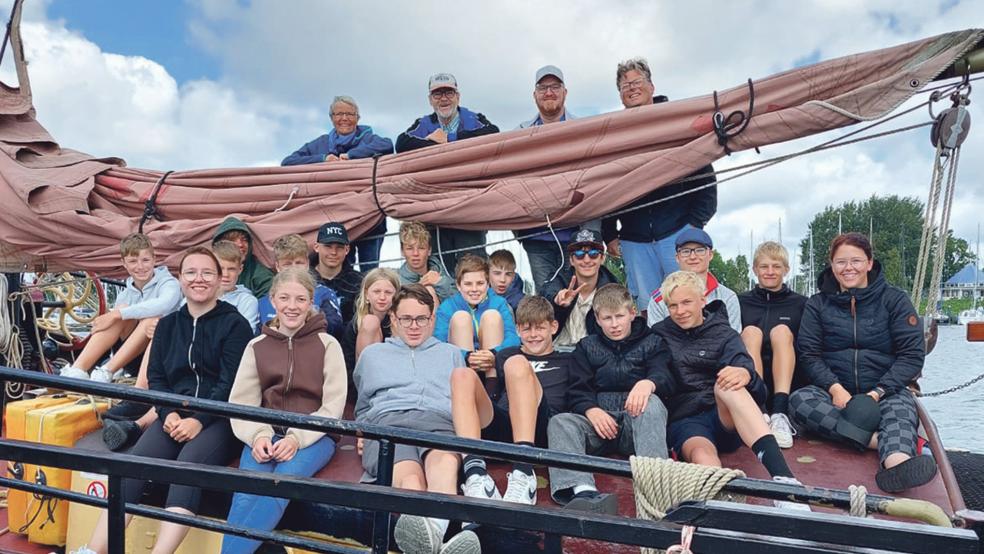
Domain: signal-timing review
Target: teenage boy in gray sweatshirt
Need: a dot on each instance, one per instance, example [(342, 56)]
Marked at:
[(405, 382)]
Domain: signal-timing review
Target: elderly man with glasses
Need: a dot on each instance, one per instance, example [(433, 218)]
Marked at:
[(694, 251), (648, 231), (449, 122)]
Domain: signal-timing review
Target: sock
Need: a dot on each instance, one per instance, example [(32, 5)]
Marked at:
[(523, 467), (585, 490), (473, 465), (768, 453), (440, 524), (780, 403)]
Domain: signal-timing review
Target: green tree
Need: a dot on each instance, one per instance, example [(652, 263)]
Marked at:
[(731, 273)]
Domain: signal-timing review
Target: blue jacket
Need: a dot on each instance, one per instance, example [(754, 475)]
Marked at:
[(492, 302), (362, 143), (471, 124), (515, 292), (325, 299)]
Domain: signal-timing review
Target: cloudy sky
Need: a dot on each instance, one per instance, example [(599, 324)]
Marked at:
[(212, 83)]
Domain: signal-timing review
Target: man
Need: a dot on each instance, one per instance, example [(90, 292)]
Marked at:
[(348, 141), (449, 122), (647, 236), (572, 291), (694, 251), (331, 269)]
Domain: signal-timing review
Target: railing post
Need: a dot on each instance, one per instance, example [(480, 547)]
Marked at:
[(117, 515), (384, 477)]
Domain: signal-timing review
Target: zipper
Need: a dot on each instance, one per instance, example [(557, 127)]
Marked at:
[(191, 363), (290, 370), (854, 316)]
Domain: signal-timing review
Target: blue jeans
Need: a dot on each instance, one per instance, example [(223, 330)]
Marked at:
[(545, 257), (264, 512), (647, 264)]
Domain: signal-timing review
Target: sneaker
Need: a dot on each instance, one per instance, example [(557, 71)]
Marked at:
[(83, 550), (789, 504), (521, 488), (782, 430), (120, 434), (465, 542), (417, 535), (74, 372), (101, 375), (481, 486), (594, 501)]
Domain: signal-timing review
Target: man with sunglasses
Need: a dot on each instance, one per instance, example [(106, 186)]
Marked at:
[(694, 251), (449, 122), (648, 231), (573, 290)]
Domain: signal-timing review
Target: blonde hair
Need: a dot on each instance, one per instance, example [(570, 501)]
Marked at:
[(227, 251), (771, 249), (362, 301), (677, 279), (612, 297), (289, 247), (132, 244), (297, 275), (414, 231)]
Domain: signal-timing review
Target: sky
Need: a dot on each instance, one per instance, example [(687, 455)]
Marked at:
[(230, 83)]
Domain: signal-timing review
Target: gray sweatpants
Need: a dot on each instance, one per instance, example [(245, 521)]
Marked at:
[(644, 435)]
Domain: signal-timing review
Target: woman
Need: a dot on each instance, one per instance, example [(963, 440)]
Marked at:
[(195, 352), (861, 344), (370, 323), (294, 365)]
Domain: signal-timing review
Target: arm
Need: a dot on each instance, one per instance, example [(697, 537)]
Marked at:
[(156, 377), (370, 145), (656, 312), (311, 153), (330, 307), (233, 346), (810, 345), (364, 393), (509, 337), (333, 392), (703, 203), (445, 288), (658, 370), (167, 299), (407, 141), (581, 390), (442, 320), (251, 311), (734, 354), (734, 312), (246, 391), (908, 344)]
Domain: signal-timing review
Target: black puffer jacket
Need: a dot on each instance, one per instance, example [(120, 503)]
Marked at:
[(766, 309), (861, 338), (604, 365), (562, 313), (698, 354), (198, 357)]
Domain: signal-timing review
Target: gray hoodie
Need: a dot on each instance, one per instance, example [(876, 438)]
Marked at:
[(159, 297), (244, 301), (391, 376)]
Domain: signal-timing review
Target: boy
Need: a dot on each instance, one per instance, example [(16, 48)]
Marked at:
[(503, 277), (534, 377), (331, 269), (715, 406), (418, 266), (694, 252), (770, 315), (231, 263), (404, 382), (476, 319), (613, 387), (150, 294), (255, 276), (292, 251)]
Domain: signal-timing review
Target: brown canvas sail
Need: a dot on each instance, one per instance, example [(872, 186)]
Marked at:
[(66, 210)]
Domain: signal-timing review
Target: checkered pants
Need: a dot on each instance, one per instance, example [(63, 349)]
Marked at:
[(812, 407)]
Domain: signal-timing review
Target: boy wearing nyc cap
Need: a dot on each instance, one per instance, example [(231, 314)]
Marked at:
[(331, 269), (694, 251)]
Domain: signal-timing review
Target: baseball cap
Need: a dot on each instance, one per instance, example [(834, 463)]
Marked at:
[(442, 80), (332, 233), (859, 420), (694, 235), (547, 71), (586, 237)]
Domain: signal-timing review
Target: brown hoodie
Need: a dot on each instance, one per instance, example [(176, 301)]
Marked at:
[(303, 372)]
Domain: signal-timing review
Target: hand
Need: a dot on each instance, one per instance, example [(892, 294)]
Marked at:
[(839, 395), (105, 321), (360, 444), (430, 278), (285, 449), (638, 398), (566, 296), (438, 136), (733, 378), (151, 328), (615, 248), (171, 421), (482, 360), (262, 450), (331, 158), (603, 423), (186, 429), (343, 156), (875, 395)]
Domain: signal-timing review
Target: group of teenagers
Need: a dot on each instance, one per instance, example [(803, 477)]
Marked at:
[(586, 365)]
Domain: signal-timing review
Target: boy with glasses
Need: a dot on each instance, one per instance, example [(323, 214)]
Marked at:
[(694, 251)]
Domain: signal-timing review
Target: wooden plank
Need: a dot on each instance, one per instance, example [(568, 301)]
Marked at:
[(975, 331)]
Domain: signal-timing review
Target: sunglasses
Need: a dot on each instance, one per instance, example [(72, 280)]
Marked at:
[(594, 253)]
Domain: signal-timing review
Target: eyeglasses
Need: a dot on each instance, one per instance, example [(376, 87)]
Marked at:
[(686, 252), (406, 321), (352, 115), (206, 275), (629, 85), (443, 93), (553, 87), (594, 253), (856, 263)]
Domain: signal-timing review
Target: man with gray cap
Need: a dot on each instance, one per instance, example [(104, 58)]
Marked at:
[(448, 123)]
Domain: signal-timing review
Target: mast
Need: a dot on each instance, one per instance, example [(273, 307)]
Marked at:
[(813, 278)]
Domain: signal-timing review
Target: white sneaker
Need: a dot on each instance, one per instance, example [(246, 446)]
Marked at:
[(481, 486), (83, 550), (465, 542), (101, 375), (74, 372), (417, 535), (789, 504), (521, 488), (782, 430)]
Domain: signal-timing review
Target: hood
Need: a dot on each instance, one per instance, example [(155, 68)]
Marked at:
[(827, 284), (639, 331), (398, 342), (232, 223), (315, 324)]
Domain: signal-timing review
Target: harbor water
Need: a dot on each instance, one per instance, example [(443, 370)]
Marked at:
[(959, 415)]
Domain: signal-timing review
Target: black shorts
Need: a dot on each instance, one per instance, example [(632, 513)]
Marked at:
[(706, 424), (500, 428)]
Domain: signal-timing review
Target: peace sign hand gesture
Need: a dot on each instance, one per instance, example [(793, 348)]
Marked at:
[(566, 296)]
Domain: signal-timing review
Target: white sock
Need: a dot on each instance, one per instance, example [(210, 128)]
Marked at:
[(440, 524), (582, 488)]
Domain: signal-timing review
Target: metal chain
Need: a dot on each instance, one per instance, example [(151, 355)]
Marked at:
[(973, 381)]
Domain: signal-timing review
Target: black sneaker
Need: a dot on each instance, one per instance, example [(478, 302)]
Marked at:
[(595, 502), (118, 435)]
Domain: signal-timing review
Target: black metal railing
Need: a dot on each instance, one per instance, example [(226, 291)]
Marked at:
[(383, 500)]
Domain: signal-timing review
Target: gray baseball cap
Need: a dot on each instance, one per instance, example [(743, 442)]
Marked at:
[(547, 71)]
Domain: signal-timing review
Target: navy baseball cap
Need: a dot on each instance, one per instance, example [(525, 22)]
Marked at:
[(332, 233), (586, 237), (694, 235)]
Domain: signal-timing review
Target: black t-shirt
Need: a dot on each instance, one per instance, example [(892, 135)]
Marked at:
[(552, 371)]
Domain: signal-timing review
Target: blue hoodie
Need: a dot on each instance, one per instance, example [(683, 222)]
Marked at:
[(361, 143), (492, 302)]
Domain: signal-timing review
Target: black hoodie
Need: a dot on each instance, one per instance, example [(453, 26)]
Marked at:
[(198, 357)]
